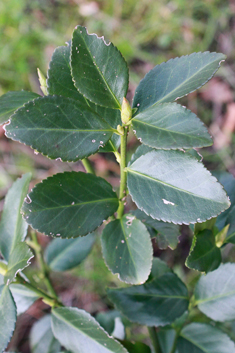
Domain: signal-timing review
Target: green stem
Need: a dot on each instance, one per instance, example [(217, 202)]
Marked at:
[(154, 338), (122, 190), (87, 165), (45, 297), (44, 268)]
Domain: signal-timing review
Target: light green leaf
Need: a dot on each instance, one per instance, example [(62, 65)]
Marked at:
[(79, 332), (19, 259), (156, 303), (203, 338), (11, 101), (140, 151), (23, 297), (70, 204), (167, 233), (215, 293), (99, 71), (13, 228), (65, 254), (176, 78), (59, 127), (174, 187), (127, 249), (7, 316), (42, 339), (170, 126), (204, 255)]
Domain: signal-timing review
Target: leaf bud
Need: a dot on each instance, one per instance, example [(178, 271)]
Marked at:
[(126, 112), (43, 82)]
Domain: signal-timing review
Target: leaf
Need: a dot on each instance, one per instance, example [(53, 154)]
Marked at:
[(156, 303), (136, 347), (174, 187), (79, 332), (13, 100), (127, 249), (204, 255), (19, 259), (159, 268), (99, 71), (170, 126), (231, 222), (42, 338), (176, 78), (65, 254), (59, 127), (7, 316), (107, 320), (228, 181), (23, 297), (140, 151), (166, 339), (70, 204), (60, 82), (215, 293), (203, 338), (167, 233), (13, 228)]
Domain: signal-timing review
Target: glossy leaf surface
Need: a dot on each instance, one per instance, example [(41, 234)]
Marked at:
[(204, 255), (7, 316), (176, 78), (42, 338), (65, 254), (18, 260), (99, 71), (215, 293), (156, 303), (203, 338), (174, 187), (13, 228), (59, 127), (13, 100), (127, 249), (167, 233), (23, 297), (79, 332), (70, 204), (170, 126)]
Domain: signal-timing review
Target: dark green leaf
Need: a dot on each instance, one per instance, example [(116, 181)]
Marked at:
[(204, 255), (231, 231), (19, 259), (77, 330), (174, 187), (166, 339), (203, 338), (159, 268), (170, 126), (70, 204), (107, 320), (215, 293), (65, 254), (7, 316), (13, 228), (127, 249), (176, 78), (60, 82), (156, 303), (136, 347), (140, 151), (42, 339), (59, 127), (23, 297), (228, 181), (11, 101), (167, 233), (100, 73)]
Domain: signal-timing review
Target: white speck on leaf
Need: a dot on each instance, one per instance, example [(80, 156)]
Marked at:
[(168, 202)]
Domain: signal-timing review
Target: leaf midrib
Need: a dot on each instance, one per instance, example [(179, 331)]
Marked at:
[(201, 301), (195, 344), (62, 130), (170, 186)]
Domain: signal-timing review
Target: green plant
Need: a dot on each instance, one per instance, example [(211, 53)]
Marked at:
[(85, 111)]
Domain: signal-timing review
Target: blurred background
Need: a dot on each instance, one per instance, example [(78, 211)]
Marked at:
[(147, 32)]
